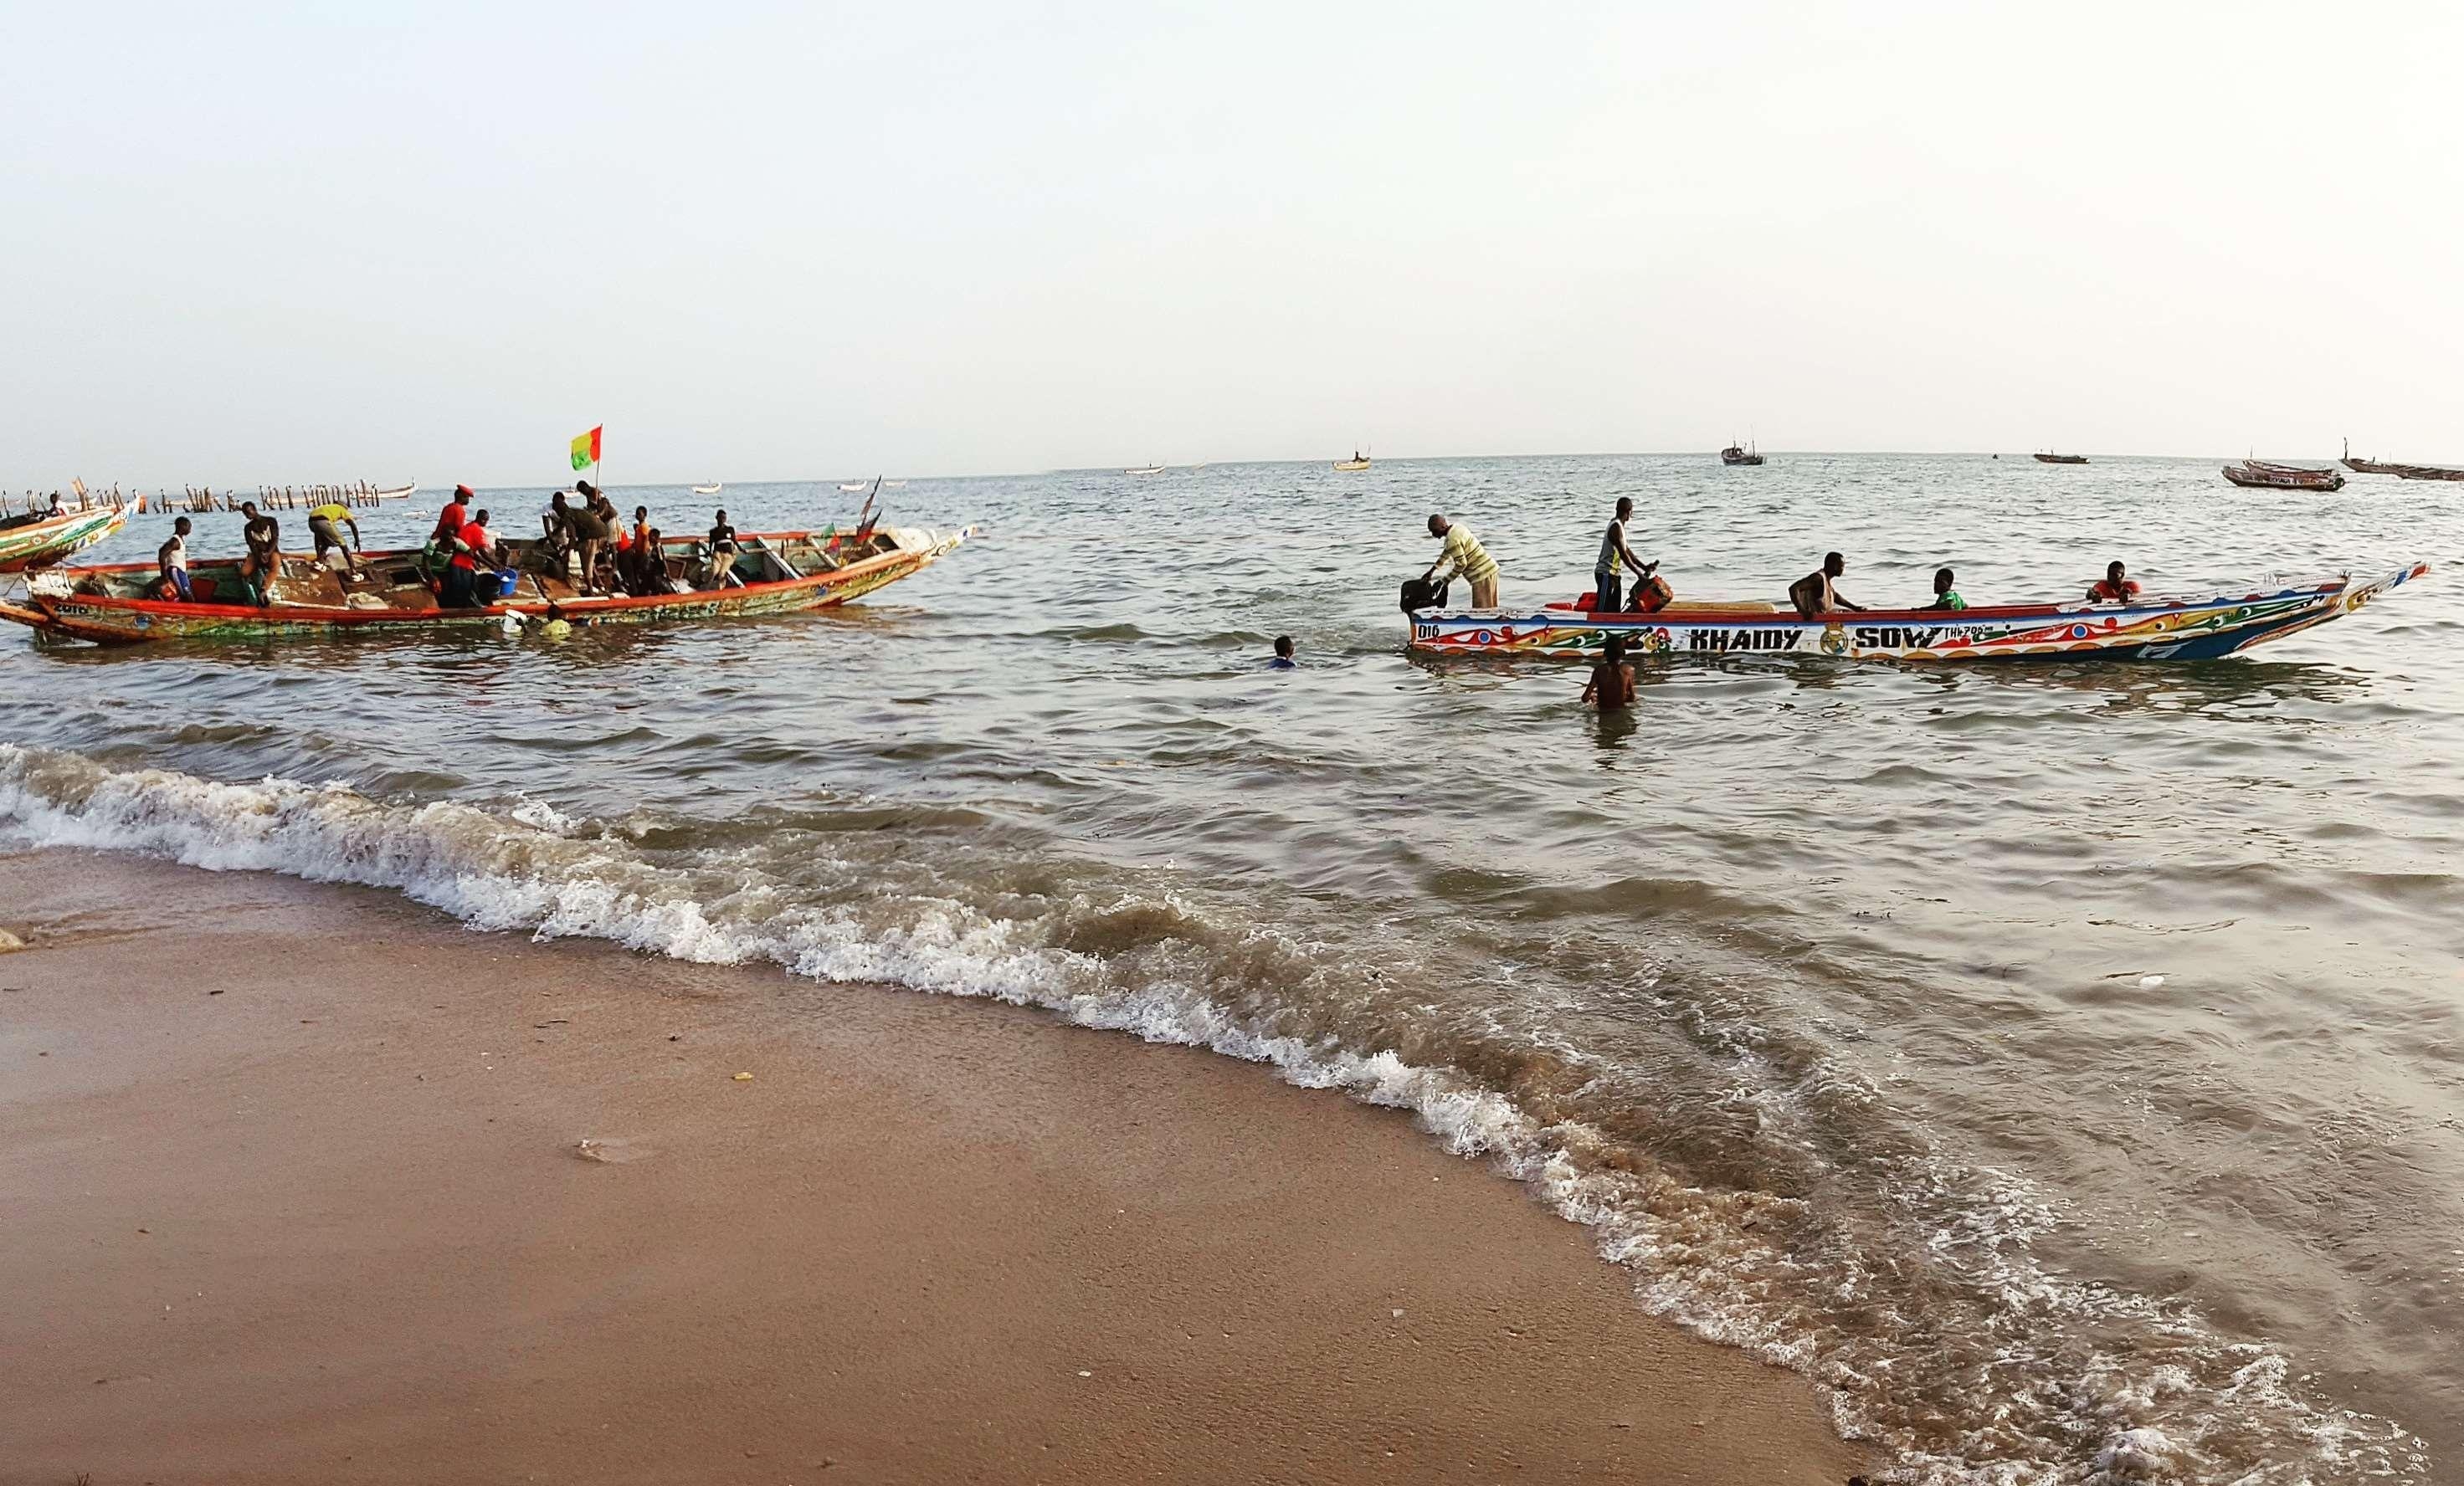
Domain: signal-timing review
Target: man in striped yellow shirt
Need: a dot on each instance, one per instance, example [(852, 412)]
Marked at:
[(1464, 555)]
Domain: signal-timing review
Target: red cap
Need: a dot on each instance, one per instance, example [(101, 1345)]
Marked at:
[(463, 490)]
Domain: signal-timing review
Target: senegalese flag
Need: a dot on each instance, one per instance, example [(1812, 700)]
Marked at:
[(586, 448)]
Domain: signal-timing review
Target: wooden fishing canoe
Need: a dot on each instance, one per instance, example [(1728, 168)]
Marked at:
[(41, 540), (2145, 629), (775, 573)]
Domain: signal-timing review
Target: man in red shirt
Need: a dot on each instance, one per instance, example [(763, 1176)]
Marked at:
[(2116, 588), (450, 522), (470, 543)]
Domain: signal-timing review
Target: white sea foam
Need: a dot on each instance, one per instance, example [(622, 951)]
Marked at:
[(1702, 1257)]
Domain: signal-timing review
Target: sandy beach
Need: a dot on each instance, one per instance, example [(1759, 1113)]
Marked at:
[(297, 1191)]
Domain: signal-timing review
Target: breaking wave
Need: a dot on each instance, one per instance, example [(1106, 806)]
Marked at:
[(1899, 1279)]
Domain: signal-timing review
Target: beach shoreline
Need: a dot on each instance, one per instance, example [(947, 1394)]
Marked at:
[(302, 1194)]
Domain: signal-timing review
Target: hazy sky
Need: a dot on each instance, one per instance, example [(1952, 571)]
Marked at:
[(248, 241)]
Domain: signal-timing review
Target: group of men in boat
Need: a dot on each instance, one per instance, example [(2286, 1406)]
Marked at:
[(464, 560), (1812, 596), (262, 536)]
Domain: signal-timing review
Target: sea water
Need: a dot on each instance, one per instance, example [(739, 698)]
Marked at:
[(2063, 1065)]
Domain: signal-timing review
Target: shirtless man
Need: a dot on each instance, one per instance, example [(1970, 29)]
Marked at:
[(1815, 597), (1611, 689)]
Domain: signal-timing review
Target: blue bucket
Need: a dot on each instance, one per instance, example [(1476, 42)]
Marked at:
[(508, 584)]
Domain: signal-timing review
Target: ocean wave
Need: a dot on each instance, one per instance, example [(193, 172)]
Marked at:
[(1901, 1279)]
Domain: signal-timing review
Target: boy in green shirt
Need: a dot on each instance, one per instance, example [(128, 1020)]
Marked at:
[(1944, 597)]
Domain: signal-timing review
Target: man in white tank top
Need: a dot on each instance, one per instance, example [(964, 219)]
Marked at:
[(1605, 573)]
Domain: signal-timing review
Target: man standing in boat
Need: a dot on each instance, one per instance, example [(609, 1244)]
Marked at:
[(171, 560), (1464, 555), (450, 522), (326, 525), (263, 537), (1606, 576)]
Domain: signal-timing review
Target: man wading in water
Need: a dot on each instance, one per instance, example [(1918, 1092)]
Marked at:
[(1612, 684), (1468, 558), (1604, 573)]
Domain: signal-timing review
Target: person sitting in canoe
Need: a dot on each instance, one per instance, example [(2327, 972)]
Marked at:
[(2116, 588), (1606, 577), (1946, 596), (325, 526), (171, 560), (263, 536), (1464, 555), (1611, 689), (1815, 597)]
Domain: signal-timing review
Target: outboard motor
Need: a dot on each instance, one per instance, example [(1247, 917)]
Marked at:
[(1420, 593)]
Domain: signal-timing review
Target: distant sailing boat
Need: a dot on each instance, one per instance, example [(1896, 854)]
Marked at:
[(1740, 454), (1145, 469), (857, 486), (1357, 461), (712, 489)]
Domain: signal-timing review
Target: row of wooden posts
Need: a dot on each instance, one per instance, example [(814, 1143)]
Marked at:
[(198, 499)]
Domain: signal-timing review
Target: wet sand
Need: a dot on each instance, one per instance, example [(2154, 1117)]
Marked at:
[(296, 1193)]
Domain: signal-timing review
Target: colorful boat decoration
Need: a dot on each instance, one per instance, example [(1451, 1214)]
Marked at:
[(773, 573), (2147, 629), (2259, 474), (36, 539)]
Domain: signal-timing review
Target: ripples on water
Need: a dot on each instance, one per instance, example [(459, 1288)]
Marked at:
[(1827, 992)]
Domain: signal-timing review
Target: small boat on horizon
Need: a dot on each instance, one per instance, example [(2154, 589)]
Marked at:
[(773, 573), (2259, 474), (2401, 472), (2059, 459), (860, 485), (712, 489), (2144, 630), (1739, 454), (1145, 469), (1357, 461)]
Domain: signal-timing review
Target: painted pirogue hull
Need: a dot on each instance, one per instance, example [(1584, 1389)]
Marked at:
[(118, 620), (2150, 631), (42, 542)]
